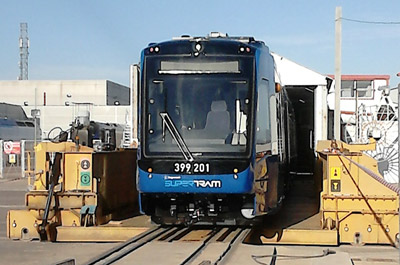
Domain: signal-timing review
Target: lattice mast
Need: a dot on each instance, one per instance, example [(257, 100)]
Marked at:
[(23, 51)]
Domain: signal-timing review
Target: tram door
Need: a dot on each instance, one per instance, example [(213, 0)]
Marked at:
[(302, 98)]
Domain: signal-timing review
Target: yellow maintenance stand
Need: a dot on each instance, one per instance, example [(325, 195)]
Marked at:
[(356, 201), (356, 205), (73, 187)]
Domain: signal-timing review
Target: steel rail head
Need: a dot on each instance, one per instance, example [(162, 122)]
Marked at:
[(114, 251), (192, 256), (237, 239)]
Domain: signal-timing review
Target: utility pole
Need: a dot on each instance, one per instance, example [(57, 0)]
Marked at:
[(23, 52), (35, 141), (398, 156), (135, 72), (338, 70)]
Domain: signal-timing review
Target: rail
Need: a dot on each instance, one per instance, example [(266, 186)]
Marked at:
[(203, 254), (117, 253)]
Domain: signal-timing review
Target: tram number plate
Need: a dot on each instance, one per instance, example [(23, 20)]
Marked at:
[(192, 168)]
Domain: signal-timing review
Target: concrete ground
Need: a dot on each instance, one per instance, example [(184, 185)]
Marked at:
[(13, 188), (12, 196), (307, 255)]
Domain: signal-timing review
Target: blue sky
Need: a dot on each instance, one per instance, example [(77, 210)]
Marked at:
[(98, 39)]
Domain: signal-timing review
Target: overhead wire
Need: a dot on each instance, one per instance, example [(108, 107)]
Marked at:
[(371, 22)]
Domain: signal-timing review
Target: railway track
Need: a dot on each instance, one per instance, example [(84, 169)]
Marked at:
[(176, 245)]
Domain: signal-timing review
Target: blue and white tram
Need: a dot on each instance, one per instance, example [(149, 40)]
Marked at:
[(213, 131)]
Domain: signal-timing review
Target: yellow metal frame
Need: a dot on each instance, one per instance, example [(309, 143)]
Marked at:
[(69, 197), (92, 189), (356, 205), (42, 165), (359, 207)]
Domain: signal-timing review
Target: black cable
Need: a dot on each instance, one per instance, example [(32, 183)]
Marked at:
[(57, 138), (372, 22), (48, 134), (325, 252)]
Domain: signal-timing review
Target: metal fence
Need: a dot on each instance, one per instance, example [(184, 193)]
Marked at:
[(1, 160), (17, 159)]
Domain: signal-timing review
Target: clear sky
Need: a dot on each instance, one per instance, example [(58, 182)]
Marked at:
[(99, 39)]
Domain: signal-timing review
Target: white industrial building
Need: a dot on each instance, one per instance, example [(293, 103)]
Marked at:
[(60, 101), (368, 110)]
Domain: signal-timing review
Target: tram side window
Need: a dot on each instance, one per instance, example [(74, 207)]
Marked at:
[(263, 133)]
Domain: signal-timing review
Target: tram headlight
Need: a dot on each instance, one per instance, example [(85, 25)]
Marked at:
[(235, 170), (198, 47), (154, 49), (241, 49), (150, 170)]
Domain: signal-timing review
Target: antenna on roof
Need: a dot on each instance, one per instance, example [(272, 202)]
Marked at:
[(23, 51)]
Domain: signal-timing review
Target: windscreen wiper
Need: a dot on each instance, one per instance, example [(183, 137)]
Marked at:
[(239, 136), (176, 135)]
